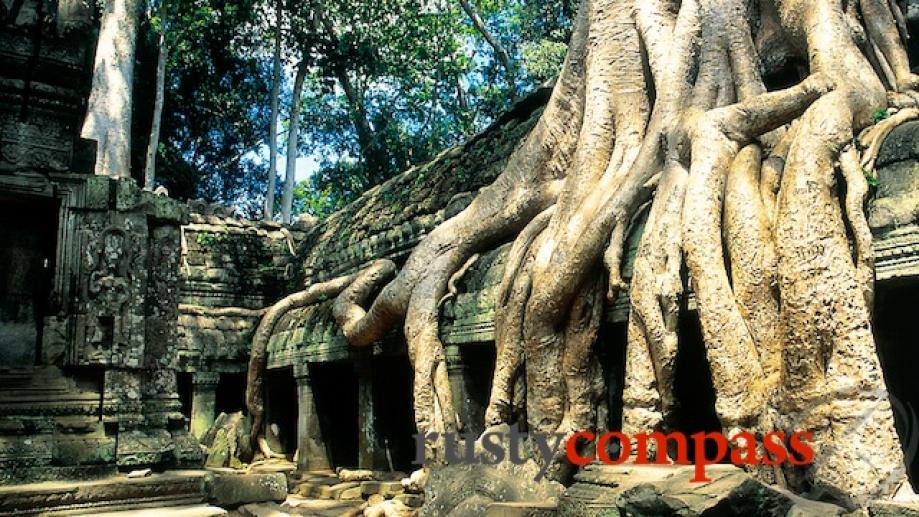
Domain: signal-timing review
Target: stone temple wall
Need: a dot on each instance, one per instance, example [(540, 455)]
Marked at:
[(88, 273), (230, 270)]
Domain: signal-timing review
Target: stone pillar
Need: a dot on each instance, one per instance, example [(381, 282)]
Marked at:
[(458, 372), (369, 452), (203, 402), (312, 453)]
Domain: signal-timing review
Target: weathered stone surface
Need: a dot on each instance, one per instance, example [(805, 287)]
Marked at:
[(236, 489), (410, 500), (355, 475), (333, 491), (198, 510), (387, 489), (227, 441), (350, 494), (893, 509), (115, 493), (650, 491), (390, 508), (468, 490), (295, 505), (524, 509)]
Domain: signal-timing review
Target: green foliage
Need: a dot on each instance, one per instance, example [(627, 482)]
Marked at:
[(420, 78), (881, 115), (871, 177), (426, 79), (210, 240), (216, 106)]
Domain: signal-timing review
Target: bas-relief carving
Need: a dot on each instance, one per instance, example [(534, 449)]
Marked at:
[(112, 322)]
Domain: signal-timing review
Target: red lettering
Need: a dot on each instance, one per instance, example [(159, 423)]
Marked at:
[(571, 448), (700, 460), (798, 445), (748, 446), (661, 458), (624, 450), (776, 454)]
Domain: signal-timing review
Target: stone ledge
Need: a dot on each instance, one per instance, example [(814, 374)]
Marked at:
[(174, 488)]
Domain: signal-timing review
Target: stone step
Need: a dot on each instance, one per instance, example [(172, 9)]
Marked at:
[(387, 489), (232, 490), (112, 494), (197, 510)]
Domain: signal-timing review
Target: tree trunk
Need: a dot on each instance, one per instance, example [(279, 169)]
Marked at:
[(109, 111), (500, 52), (150, 164), (293, 131), (373, 151), (273, 124), (665, 101)]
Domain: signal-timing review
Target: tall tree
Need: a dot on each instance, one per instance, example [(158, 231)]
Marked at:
[(500, 53), (217, 104), (109, 111), (273, 127), (293, 139), (153, 144)]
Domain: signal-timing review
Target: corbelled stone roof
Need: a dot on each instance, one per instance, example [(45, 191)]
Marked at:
[(388, 221)]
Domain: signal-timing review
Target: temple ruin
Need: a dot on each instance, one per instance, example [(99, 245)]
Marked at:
[(126, 318)]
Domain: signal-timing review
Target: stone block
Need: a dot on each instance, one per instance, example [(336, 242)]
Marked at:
[(410, 500), (669, 490), (387, 489), (893, 509), (236, 489), (333, 491), (350, 494), (356, 475), (522, 509)]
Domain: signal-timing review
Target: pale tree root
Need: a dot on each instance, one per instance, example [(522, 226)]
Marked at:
[(528, 185), (789, 310), (737, 374), (657, 286), (833, 383), (751, 250), (258, 355), (513, 291)]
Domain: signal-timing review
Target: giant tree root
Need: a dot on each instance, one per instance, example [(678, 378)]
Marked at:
[(258, 357), (744, 194)]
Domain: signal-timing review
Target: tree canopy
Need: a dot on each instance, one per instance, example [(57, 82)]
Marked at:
[(388, 84)]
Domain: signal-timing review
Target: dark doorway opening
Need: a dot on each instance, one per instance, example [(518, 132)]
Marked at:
[(896, 334), (611, 348), (28, 245), (184, 386), (335, 393), (693, 386), (231, 393), (281, 410), (478, 374), (392, 388)]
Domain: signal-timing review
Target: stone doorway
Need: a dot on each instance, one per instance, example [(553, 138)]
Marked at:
[(392, 381), (896, 333), (693, 386), (335, 390), (281, 410), (28, 243)]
